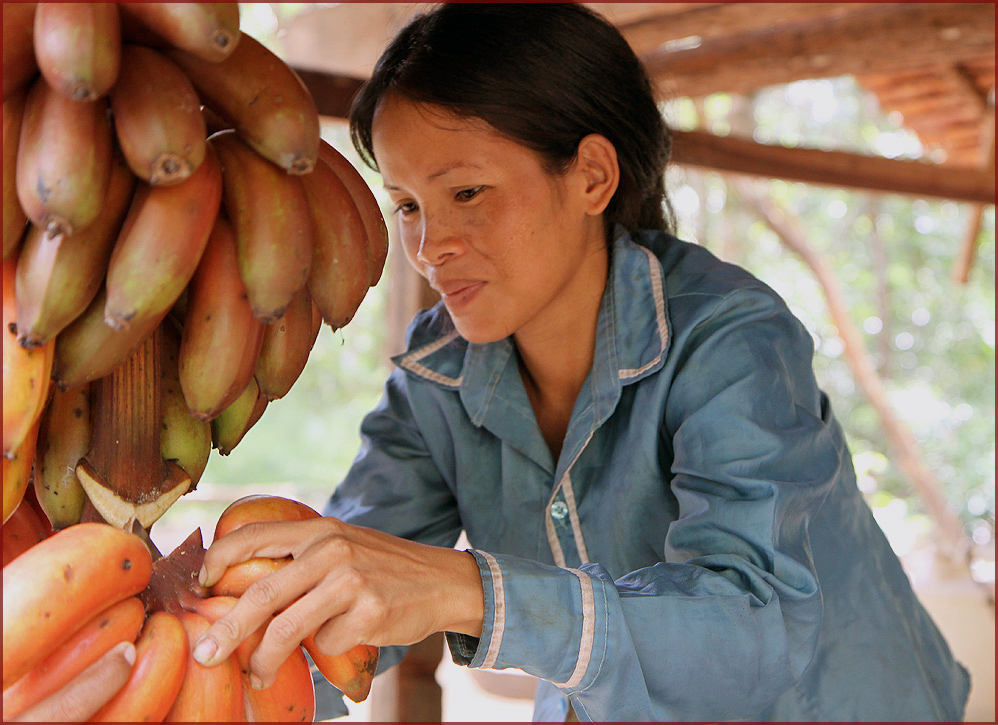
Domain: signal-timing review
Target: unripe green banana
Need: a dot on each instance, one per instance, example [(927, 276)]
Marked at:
[(63, 439), (229, 426), (183, 439)]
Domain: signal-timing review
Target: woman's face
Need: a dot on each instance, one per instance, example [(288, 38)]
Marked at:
[(510, 247)]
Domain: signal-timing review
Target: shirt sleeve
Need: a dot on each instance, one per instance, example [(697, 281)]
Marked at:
[(729, 619), (395, 486)]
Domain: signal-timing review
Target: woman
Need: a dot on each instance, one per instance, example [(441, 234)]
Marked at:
[(664, 515)]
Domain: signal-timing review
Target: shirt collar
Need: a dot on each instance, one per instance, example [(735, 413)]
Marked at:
[(632, 337)]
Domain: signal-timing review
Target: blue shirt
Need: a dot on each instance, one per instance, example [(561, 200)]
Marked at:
[(698, 551)]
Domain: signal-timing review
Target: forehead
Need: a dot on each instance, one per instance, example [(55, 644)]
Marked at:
[(410, 136)]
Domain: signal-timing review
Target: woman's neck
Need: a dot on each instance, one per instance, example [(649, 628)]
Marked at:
[(556, 352)]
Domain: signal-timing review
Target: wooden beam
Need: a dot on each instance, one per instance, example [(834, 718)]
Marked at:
[(886, 37), (833, 168), (720, 20)]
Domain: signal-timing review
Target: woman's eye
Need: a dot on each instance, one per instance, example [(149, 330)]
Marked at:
[(468, 194), (405, 208)]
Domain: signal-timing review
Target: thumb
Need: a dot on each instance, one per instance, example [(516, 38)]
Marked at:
[(88, 692)]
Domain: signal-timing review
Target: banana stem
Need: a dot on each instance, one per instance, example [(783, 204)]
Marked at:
[(124, 474), (127, 415)]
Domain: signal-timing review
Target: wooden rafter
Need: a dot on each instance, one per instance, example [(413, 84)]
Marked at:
[(711, 21), (886, 37), (833, 168)]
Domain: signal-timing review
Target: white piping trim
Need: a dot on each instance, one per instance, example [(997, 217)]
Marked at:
[(655, 272), (411, 361), (588, 638), (573, 515), (580, 543), (499, 618)]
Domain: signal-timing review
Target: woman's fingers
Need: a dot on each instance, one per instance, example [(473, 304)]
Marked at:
[(287, 630), (261, 600), (271, 539), (88, 692)]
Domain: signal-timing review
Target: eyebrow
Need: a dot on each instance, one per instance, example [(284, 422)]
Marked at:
[(441, 172)]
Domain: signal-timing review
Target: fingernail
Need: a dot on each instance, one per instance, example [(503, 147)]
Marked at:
[(205, 650), (203, 577), (129, 653), (256, 683)]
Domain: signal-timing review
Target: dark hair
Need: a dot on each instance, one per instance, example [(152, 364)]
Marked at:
[(544, 75)]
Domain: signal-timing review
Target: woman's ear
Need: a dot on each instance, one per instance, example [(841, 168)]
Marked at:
[(596, 162)]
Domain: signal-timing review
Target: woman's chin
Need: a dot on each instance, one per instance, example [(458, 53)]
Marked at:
[(479, 332)]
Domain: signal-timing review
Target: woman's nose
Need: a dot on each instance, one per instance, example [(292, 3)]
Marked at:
[(437, 244)]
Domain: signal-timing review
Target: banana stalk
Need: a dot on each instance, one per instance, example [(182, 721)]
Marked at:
[(124, 474)]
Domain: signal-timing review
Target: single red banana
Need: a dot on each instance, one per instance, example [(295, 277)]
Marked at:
[(221, 337), (59, 276), (64, 158), (157, 116), (78, 47), (161, 656), (367, 206), (208, 30), (270, 216), (160, 245), (263, 99), (341, 267), (207, 693)]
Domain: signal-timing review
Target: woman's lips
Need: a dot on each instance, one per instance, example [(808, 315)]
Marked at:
[(461, 293)]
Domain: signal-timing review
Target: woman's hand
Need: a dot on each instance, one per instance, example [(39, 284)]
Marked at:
[(88, 692), (352, 584)]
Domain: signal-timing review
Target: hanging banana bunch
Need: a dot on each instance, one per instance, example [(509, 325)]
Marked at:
[(175, 233), (160, 166)]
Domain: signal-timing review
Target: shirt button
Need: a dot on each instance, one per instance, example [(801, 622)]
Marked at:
[(559, 510)]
